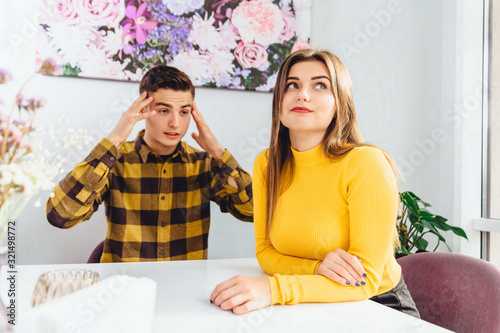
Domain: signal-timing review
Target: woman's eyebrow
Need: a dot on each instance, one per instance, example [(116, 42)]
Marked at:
[(321, 77), (312, 78)]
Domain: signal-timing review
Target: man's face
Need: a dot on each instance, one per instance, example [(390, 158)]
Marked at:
[(167, 128)]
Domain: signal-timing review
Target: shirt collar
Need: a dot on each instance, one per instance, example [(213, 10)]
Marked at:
[(144, 151)]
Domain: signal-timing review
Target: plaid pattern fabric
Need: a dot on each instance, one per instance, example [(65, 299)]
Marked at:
[(155, 210)]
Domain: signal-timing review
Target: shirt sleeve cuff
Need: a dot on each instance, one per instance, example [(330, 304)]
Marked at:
[(227, 164), (106, 152)]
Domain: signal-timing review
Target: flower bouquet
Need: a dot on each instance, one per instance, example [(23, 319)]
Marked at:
[(30, 154)]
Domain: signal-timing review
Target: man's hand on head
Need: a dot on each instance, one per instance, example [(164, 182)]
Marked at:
[(205, 137), (129, 118), (207, 140)]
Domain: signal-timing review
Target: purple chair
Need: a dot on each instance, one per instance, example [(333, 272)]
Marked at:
[(454, 291), (95, 256)]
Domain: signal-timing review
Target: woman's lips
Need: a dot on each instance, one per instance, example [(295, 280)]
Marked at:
[(300, 109)]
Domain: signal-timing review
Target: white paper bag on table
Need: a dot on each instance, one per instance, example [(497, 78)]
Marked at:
[(119, 303)]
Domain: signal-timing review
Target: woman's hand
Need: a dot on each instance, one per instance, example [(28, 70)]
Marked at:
[(342, 267), (242, 294)]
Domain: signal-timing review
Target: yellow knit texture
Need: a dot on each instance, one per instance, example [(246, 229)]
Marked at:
[(349, 203)]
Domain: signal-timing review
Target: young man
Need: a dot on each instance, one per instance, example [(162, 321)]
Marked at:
[(156, 189)]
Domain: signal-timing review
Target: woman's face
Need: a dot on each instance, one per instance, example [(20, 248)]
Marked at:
[(308, 103)]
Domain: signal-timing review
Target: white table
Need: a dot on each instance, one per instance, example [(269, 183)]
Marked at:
[(183, 304)]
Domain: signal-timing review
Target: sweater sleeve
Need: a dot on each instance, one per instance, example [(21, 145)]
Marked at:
[(371, 194), (270, 260)]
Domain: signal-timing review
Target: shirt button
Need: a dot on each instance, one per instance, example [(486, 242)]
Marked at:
[(162, 197), (111, 158), (223, 166), (163, 224), (162, 252)]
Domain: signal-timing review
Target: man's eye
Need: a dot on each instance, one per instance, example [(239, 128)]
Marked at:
[(163, 111), (184, 112)]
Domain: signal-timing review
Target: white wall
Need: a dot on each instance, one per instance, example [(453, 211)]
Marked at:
[(406, 59)]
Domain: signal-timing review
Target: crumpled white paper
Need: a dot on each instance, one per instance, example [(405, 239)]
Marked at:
[(119, 303)]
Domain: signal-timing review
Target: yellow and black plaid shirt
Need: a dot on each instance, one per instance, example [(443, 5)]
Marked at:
[(155, 210)]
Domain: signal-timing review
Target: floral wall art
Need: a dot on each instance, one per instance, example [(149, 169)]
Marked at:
[(219, 43)]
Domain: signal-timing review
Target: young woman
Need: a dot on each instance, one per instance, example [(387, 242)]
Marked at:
[(325, 203)]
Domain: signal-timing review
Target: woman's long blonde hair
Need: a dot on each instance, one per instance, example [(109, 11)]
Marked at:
[(341, 136)]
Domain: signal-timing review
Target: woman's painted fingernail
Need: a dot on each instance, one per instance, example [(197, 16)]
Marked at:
[(211, 301), (363, 283), (364, 275), (347, 282), (232, 311), (357, 284)]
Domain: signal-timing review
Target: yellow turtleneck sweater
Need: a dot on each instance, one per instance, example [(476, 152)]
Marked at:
[(349, 203)]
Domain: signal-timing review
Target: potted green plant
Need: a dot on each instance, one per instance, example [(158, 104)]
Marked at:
[(416, 222)]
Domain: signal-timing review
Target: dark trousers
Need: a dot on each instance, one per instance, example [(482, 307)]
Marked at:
[(398, 298)]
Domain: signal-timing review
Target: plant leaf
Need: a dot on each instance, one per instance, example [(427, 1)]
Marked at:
[(442, 225), (413, 218), (410, 201), (435, 232), (413, 195), (459, 232), (423, 215), (402, 249), (432, 228), (424, 203), (421, 244), (441, 219), (419, 226)]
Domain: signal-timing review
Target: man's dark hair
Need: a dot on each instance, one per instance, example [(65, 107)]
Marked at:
[(166, 77)]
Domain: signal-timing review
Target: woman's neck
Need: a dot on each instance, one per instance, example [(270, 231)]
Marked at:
[(305, 141)]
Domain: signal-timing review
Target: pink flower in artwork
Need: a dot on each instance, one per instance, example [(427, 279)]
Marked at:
[(300, 44), (62, 10), (100, 12), (288, 28), (250, 55), (204, 33), (47, 66), (128, 43), (194, 64), (258, 21), (5, 76), (135, 24), (229, 36), (220, 63)]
